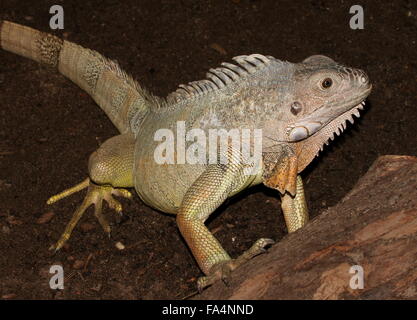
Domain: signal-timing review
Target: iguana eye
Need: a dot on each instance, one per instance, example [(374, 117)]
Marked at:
[(327, 83)]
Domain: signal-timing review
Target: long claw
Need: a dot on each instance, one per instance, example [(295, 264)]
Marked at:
[(95, 196), (204, 282), (114, 204), (67, 192), (226, 279), (100, 217), (71, 225), (257, 248), (122, 193)]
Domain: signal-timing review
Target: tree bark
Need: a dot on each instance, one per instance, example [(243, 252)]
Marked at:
[(373, 227)]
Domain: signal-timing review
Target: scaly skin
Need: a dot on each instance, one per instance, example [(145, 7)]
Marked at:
[(298, 108)]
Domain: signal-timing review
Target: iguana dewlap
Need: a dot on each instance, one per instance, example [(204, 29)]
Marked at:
[(296, 107)]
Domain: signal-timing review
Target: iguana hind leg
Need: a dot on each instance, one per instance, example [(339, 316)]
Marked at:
[(295, 207), (110, 169), (202, 198)]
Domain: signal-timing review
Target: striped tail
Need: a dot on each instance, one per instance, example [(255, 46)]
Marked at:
[(120, 97)]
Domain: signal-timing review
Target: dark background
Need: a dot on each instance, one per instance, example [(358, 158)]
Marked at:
[(48, 128)]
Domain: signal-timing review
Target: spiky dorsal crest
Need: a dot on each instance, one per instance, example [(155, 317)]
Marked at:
[(221, 77)]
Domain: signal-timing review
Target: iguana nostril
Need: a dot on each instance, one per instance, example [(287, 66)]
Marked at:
[(296, 107)]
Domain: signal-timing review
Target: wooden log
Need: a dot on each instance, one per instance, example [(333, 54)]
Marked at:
[(373, 228)]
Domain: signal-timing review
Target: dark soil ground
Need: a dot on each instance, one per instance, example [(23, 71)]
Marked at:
[(48, 128)]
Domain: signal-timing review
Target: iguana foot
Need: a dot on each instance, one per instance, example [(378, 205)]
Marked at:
[(95, 196), (222, 270)]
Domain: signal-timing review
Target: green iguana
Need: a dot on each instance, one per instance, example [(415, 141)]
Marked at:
[(298, 107)]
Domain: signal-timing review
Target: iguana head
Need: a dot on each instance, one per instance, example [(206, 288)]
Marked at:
[(323, 92), (325, 95), (321, 97)]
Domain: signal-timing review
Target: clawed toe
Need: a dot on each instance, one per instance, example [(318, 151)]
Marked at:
[(96, 194), (220, 271), (223, 270)]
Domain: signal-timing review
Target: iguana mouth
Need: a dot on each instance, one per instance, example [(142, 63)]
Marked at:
[(337, 126)]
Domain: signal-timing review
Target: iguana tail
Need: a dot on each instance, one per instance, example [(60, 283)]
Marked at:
[(120, 97)]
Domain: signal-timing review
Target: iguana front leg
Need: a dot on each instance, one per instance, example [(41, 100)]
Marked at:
[(202, 198), (294, 207), (281, 174), (110, 170)]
